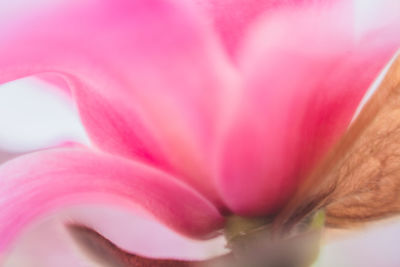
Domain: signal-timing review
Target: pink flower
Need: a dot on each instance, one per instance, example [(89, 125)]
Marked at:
[(195, 112)]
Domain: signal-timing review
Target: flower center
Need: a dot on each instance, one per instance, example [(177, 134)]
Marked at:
[(253, 243), (238, 227)]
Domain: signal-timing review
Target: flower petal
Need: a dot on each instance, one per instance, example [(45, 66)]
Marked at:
[(232, 18), (130, 231), (147, 75), (102, 250), (36, 184), (305, 73)]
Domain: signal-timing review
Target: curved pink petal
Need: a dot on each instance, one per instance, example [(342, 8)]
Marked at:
[(147, 76), (39, 183), (306, 71), (232, 18), (130, 231)]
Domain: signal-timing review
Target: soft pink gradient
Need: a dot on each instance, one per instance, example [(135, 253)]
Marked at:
[(46, 180), (232, 18), (5, 156), (299, 97), (196, 111)]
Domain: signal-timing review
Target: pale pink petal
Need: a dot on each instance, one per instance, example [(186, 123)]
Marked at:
[(147, 76), (130, 231), (232, 18), (306, 71), (36, 184), (44, 245)]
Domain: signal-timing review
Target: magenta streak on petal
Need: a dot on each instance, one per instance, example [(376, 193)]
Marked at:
[(305, 74), (38, 183), (233, 18), (148, 77)]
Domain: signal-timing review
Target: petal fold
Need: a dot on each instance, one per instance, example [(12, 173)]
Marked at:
[(147, 76), (37, 184)]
